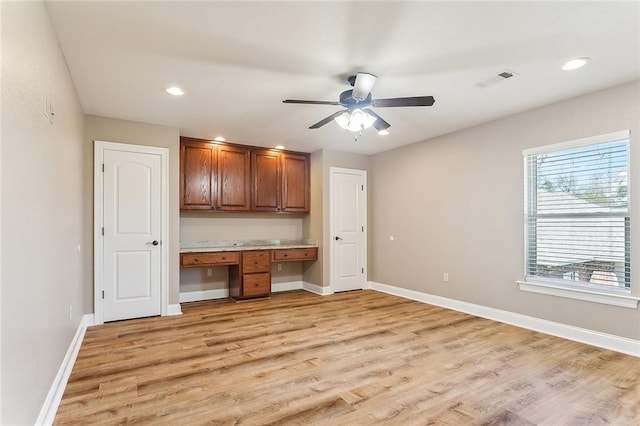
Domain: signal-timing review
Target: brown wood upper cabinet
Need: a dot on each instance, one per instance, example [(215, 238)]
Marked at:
[(280, 181), (229, 177), (234, 178), (214, 176), (198, 168)]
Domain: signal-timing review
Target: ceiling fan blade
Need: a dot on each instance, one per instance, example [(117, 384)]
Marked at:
[(403, 102), (298, 101), (379, 124), (326, 120), (363, 85)]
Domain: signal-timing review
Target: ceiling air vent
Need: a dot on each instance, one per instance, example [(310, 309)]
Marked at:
[(497, 78)]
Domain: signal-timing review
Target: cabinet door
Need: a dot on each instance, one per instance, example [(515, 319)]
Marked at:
[(197, 176), (265, 194), (295, 182), (234, 175)]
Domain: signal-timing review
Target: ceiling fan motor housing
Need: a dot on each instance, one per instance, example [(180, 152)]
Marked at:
[(347, 100)]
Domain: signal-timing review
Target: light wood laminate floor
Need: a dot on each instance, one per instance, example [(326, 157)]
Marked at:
[(357, 358)]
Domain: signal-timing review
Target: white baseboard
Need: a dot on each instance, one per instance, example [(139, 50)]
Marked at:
[(174, 310), (582, 335), (288, 286), (52, 401), (195, 296), (314, 288)]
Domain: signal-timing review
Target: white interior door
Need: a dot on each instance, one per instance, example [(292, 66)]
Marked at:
[(130, 282), (348, 229)]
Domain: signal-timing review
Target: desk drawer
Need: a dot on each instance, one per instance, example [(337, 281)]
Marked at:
[(209, 259), (290, 255), (256, 261), (256, 284)]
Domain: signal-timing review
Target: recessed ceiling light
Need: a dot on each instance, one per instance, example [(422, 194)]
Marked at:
[(175, 91), (279, 146), (219, 139), (384, 132), (575, 64)]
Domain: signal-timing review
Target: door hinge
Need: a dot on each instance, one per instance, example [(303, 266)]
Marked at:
[(103, 294), (102, 167), (103, 231), (363, 270), (363, 229), (361, 185)]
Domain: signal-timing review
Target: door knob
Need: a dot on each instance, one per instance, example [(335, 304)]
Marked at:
[(154, 242), (338, 238)]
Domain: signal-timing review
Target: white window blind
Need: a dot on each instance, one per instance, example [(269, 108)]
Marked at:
[(577, 213)]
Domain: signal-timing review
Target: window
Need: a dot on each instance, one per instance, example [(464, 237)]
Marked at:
[(577, 214)]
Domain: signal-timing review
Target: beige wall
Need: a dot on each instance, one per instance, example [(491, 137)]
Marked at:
[(123, 131), (455, 204), (313, 224), (43, 251)]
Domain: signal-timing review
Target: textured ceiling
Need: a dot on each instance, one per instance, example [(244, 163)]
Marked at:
[(237, 61)]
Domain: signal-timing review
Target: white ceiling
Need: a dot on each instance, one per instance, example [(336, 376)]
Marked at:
[(237, 61)]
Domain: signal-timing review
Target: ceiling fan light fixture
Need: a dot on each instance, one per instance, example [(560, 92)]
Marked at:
[(355, 120), (343, 120)]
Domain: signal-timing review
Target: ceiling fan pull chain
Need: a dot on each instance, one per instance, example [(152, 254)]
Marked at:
[(358, 136)]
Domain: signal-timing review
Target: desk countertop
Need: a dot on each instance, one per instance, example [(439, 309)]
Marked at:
[(242, 245)]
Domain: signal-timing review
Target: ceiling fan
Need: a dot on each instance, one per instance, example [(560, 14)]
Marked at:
[(357, 101)]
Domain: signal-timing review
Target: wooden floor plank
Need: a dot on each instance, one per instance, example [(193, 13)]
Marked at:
[(351, 358)]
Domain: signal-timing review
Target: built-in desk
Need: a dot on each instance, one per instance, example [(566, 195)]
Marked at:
[(249, 264)]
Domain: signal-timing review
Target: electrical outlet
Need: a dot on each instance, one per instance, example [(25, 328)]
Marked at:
[(209, 272), (445, 277), (279, 266)]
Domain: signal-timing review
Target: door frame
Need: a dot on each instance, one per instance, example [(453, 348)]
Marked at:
[(332, 189), (98, 221)]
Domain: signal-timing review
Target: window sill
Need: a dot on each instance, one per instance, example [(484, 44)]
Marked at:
[(606, 298)]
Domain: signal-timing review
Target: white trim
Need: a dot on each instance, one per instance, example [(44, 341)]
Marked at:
[(582, 335), (365, 244), (314, 288), (288, 286), (98, 221), (577, 143), (173, 310), (621, 300), (52, 401), (196, 296), (223, 293)]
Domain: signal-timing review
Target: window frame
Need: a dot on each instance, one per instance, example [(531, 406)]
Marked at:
[(564, 288)]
